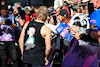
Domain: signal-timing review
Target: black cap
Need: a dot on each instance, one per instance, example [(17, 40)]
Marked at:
[(64, 13)]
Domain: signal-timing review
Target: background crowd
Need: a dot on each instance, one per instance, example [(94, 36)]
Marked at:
[(82, 17)]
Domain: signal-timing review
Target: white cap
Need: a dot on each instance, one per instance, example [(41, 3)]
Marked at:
[(85, 1), (27, 8)]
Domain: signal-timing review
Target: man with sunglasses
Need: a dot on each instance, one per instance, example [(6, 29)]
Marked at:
[(85, 51), (94, 32), (95, 25), (95, 20)]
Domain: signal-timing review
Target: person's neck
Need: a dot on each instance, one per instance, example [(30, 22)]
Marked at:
[(38, 20)]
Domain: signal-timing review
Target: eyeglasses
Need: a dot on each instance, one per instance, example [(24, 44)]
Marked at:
[(94, 27)]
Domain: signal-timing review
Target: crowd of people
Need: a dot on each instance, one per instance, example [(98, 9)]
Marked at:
[(29, 36)]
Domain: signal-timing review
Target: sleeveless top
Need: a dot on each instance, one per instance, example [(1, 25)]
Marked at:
[(34, 44)]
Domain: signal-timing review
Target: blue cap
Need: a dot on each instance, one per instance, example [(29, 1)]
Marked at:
[(51, 9), (95, 20)]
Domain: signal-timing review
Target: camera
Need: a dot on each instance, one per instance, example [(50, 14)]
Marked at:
[(8, 22), (90, 8), (19, 9), (55, 21)]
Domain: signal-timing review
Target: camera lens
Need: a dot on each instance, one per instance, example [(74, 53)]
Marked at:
[(19, 9)]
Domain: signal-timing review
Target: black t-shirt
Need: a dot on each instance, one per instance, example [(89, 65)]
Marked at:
[(34, 50)]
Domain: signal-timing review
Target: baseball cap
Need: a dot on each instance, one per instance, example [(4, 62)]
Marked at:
[(75, 6), (65, 13), (27, 8), (95, 20), (51, 9)]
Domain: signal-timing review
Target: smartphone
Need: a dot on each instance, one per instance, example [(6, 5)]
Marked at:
[(55, 21), (90, 8)]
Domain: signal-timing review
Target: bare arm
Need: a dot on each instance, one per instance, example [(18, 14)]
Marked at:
[(21, 39), (48, 43), (47, 38)]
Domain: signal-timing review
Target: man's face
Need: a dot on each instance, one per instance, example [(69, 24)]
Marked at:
[(94, 3), (58, 17), (86, 10), (27, 12), (18, 5), (95, 31), (4, 12), (95, 34), (16, 8), (74, 12)]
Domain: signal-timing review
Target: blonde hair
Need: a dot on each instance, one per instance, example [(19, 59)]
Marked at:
[(42, 13), (17, 3)]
